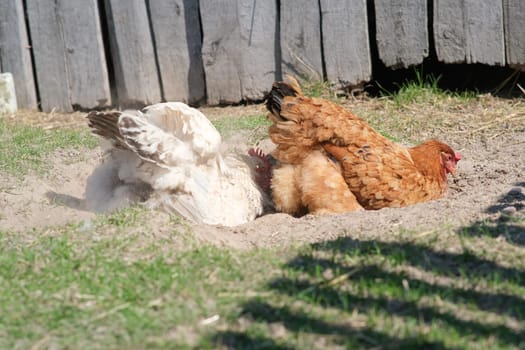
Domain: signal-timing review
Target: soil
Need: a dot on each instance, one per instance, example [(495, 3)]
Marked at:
[(489, 189)]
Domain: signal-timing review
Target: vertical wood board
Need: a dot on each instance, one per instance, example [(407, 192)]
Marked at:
[(49, 55), (132, 52), (401, 32), (177, 34), (258, 23), (239, 48), (514, 21), (469, 31), (301, 52), (485, 38), (69, 54), (221, 50), (15, 52), (345, 41), (84, 52)]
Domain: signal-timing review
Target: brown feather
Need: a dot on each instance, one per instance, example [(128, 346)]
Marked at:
[(105, 124), (315, 185), (379, 172)]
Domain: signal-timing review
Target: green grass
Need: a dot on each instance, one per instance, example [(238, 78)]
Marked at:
[(317, 88), (124, 218), (65, 290), (257, 125), (232, 124), (424, 88), (25, 148), (83, 294)]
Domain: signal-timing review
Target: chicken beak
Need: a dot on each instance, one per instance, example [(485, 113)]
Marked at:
[(453, 172)]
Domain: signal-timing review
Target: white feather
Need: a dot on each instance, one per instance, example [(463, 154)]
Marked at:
[(174, 150)]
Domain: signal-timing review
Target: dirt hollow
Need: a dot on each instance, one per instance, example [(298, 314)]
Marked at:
[(490, 187)]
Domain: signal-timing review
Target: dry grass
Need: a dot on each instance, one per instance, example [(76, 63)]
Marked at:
[(447, 117), (48, 121)]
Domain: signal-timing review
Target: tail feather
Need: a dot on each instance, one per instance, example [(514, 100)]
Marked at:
[(281, 89), (105, 124), (293, 83)]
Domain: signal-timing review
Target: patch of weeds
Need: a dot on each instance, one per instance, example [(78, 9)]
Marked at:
[(87, 295), (320, 89), (123, 218), (316, 88), (423, 89), (229, 124), (175, 219), (257, 125), (25, 148)]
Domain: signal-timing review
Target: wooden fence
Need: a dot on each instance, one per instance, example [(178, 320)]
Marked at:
[(69, 54)]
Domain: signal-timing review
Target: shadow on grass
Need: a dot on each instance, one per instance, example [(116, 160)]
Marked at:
[(432, 298), (393, 281), (241, 340), (299, 321)]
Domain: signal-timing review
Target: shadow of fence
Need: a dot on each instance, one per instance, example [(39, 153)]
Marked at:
[(429, 296), (505, 222)]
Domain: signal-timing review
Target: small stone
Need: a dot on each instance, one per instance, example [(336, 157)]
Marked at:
[(8, 103), (509, 211), (405, 284), (501, 238), (328, 274), (86, 226)]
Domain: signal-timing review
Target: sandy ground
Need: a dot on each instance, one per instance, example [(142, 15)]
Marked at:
[(490, 188)]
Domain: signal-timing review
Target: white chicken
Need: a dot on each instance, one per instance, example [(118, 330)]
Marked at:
[(170, 157)]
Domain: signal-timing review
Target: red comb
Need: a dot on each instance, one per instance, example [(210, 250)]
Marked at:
[(457, 156), (263, 174)]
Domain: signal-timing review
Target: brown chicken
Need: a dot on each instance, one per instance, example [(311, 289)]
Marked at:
[(378, 172), (306, 179), (314, 184)]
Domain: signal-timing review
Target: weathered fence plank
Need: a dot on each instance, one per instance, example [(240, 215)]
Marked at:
[(238, 48), (469, 31), (84, 51), (178, 36), (226, 51), (15, 55), (132, 52), (514, 20), (69, 54), (401, 32), (221, 50), (258, 22), (49, 55), (345, 41), (301, 52)]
